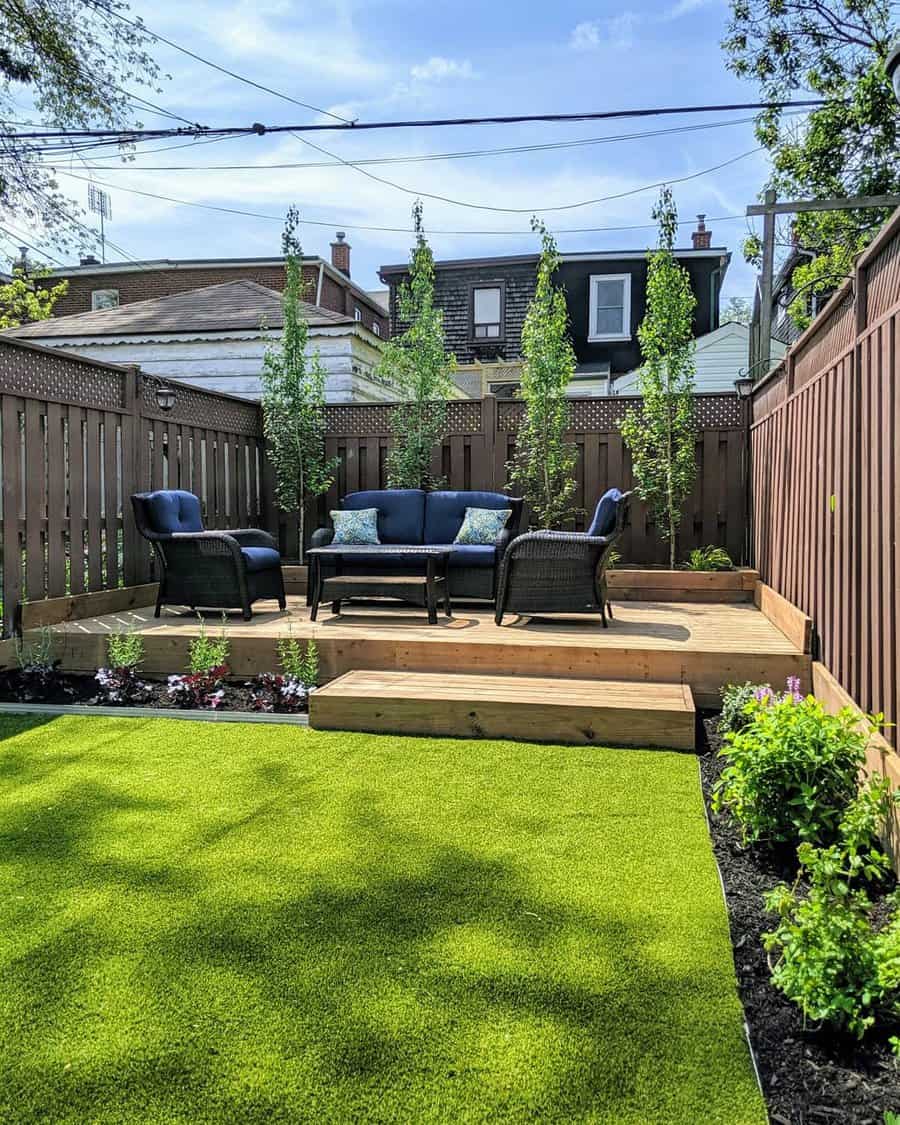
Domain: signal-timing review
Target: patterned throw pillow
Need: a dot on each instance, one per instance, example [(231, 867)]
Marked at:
[(483, 525), (356, 527)]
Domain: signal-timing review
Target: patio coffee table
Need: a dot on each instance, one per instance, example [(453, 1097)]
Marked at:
[(423, 589)]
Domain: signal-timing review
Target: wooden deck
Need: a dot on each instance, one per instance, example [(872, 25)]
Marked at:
[(702, 645)]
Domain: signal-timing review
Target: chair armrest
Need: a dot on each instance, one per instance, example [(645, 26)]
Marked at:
[(321, 537), (252, 537), (503, 541), (536, 543), (210, 543)]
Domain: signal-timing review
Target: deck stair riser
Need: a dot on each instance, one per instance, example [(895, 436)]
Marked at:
[(579, 712)]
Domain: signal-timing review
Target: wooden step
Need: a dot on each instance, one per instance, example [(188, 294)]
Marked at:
[(534, 709)]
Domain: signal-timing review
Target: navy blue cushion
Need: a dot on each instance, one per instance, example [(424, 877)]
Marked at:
[(604, 521), (401, 512), (445, 512), (473, 554), (172, 510), (260, 558)]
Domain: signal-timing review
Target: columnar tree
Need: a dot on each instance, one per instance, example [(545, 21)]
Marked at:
[(662, 434), (293, 397), (835, 50), (543, 466), (418, 365)]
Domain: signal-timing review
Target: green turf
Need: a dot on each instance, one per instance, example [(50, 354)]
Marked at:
[(205, 922)]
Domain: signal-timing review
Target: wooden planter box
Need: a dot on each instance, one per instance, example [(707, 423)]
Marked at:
[(661, 585)]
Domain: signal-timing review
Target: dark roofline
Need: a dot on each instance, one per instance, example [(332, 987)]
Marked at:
[(172, 264), (526, 259)]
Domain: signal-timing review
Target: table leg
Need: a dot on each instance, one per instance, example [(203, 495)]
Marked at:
[(317, 591), (429, 591)]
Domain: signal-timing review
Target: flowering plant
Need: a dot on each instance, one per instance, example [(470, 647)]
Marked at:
[(121, 685), (201, 690), (271, 692)]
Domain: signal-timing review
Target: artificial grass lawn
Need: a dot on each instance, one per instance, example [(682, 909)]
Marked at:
[(222, 922)]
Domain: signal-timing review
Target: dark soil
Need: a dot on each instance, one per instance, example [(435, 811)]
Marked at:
[(809, 1076), (73, 688)]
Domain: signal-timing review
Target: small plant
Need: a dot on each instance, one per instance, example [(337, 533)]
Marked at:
[(709, 558), (299, 664), (735, 699), (39, 676), (827, 953), (203, 686), (892, 1118), (792, 770), (290, 690), (119, 681)]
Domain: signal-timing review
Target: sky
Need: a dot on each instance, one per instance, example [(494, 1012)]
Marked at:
[(405, 59)]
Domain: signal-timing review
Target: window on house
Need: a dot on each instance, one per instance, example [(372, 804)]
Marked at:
[(376, 327), (357, 313), (610, 307), (487, 312), (104, 299)]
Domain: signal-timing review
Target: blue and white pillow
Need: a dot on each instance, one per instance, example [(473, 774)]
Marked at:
[(359, 527), (482, 526)]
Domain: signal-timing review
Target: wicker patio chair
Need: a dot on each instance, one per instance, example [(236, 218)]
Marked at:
[(213, 569), (561, 571)]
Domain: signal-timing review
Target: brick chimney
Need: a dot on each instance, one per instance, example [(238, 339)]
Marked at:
[(701, 237), (340, 253)]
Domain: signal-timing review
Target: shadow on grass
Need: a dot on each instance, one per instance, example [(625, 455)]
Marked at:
[(399, 977)]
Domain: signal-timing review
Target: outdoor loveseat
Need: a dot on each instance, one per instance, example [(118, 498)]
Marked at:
[(410, 516), (211, 569), (561, 571)]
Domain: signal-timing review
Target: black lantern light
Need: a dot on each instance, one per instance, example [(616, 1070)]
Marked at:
[(743, 386)]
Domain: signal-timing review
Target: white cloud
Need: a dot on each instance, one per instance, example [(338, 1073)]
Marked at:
[(685, 7), (618, 32), (439, 69)]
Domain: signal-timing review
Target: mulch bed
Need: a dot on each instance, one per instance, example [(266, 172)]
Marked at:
[(809, 1077), (73, 688)]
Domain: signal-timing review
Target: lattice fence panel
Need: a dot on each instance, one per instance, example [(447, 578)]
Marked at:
[(194, 407), (36, 373), (600, 415)]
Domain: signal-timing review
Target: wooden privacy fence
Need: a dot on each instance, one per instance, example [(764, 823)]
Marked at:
[(78, 437), (482, 439), (826, 477)]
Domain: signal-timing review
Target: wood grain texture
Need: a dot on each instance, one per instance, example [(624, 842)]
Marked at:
[(52, 611), (522, 707), (793, 622)]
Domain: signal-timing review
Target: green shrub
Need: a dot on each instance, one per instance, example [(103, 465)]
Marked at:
[(827, 954), (792, 770), (709, 558), (125, 649), (207, 653), (297, 663), (37, 653), (735, 699)]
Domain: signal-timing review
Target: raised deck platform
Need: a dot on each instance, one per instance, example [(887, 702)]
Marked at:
[(528, 708), (701, 645)]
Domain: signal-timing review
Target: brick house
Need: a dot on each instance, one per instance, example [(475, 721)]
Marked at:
[(94, 285)]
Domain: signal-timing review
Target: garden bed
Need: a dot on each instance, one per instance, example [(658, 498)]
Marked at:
[(808, 1076), (71, 688)]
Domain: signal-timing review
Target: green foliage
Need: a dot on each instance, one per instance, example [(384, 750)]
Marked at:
[(23, 302), (892, 1118), (792, 769), (827, 953), (36, 653), (417, 363), (709, 558), (543, 466), (737, 311), (207, 653), (834, 50), (297, 663), (735, 702), (78, 65), (125, 649), (293, 397), (661, 435)]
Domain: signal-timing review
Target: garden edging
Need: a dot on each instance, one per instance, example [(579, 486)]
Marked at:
[(209, 716)]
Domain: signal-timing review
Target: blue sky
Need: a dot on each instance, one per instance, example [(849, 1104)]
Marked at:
[(400, 58)]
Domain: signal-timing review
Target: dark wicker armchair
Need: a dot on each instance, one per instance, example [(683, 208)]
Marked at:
[(214, 569), (560, 571)]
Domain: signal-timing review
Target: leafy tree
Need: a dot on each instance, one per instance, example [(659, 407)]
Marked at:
[(543, 467), (418, 365), (293, 396), (23, 302), (737, 311), (662, 434), (832, 49), (73, 61)]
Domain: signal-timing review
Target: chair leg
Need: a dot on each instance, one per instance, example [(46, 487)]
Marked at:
[(609, 610), (159, 604), (603, 612)]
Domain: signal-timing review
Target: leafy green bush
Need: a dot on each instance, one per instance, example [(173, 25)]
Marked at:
[(207, 653), (735, 698), (125, 649), (709, 558), (827, 954), (299, 664), (792, 770)]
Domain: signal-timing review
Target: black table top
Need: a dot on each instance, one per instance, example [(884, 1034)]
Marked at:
[(422, 549)]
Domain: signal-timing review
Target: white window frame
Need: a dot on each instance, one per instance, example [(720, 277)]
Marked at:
[(376, 327), (625, 278), (95, 293), (357, 313)]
